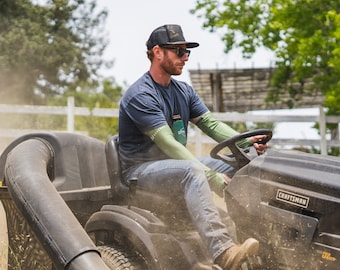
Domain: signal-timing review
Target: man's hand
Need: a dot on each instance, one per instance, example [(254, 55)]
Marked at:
[(217, 181), (260, 147)]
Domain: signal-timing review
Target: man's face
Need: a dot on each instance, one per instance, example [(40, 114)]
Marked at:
[(174, 59)]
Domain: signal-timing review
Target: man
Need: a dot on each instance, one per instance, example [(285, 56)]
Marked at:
[(153, 121)]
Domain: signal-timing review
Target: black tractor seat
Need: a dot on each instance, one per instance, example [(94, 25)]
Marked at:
[(133, 195)]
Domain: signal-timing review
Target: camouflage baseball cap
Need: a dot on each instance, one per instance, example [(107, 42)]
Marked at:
[(169, 34)]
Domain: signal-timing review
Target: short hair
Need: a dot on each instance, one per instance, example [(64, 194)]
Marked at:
[(150, 54)]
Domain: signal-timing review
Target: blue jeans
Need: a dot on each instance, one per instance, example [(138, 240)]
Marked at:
[(172, 177)]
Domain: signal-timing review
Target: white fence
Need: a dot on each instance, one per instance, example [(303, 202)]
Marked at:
[(70, 111)]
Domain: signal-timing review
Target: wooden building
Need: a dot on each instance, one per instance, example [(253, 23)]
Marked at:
[(242, 90)]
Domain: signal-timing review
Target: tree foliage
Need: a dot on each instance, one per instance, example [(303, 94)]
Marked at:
[(107, 95), (304, 35), (48, 46), (87, 96)]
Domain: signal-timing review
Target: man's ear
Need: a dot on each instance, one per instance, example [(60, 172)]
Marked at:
[(157, 51)]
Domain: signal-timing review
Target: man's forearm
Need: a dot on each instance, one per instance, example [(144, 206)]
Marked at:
[(218, 130), (165, 140)]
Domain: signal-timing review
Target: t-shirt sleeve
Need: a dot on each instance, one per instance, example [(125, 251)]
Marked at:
[(198, 108), (145, 111)]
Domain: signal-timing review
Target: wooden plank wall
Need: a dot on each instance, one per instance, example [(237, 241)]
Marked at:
[(242, 90)]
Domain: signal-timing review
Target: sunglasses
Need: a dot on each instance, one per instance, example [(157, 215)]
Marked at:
[(178, 50)]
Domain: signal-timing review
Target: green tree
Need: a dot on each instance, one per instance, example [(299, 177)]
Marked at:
[(48, 46), (88, 96), (304, 35)]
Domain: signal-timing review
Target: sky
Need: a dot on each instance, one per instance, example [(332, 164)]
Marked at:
[(130, 22)]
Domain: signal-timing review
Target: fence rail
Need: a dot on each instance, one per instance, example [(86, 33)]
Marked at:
[(70, 111)]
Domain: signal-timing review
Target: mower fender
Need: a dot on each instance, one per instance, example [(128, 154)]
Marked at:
[(140, 228)]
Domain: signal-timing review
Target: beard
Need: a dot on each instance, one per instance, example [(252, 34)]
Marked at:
[(172, 67)]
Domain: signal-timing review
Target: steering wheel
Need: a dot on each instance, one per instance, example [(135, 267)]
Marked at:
[(239, 157)]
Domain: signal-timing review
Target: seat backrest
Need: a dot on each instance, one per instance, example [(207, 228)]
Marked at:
[(114, 166)]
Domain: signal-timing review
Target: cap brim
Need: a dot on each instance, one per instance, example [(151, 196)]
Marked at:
[(188, 44)]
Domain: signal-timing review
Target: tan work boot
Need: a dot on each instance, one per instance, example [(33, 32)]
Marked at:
[(234, 256)]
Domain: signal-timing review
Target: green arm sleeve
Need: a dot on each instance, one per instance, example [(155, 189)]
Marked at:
[(218, 130), (165, 140)]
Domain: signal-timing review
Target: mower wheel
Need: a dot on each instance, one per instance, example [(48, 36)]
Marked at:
[(117, 259)]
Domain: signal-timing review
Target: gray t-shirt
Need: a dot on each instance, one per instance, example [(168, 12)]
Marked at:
[(147, 105)]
